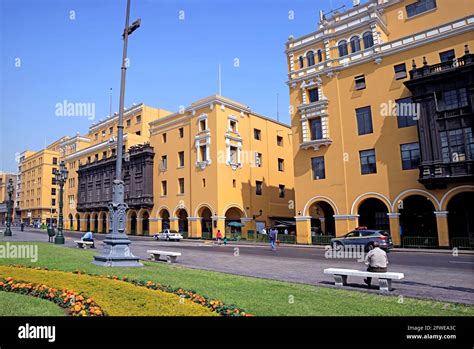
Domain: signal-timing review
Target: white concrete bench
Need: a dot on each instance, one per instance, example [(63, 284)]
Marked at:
[(385, 279), (84, 244), (170, 256)]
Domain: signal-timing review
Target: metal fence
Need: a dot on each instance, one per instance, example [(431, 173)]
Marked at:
[(420, 241), (321, 239), (462, 242), (206, 235)]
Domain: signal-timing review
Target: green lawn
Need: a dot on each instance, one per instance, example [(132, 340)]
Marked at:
[(256, 296), (13, 304)]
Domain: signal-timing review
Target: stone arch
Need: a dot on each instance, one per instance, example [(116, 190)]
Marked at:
[(183, 224), (87, 221), (373, 212), (237, 206), (322, 218), (399, 199), (201, 206), (95, 222), (316, 199), (453, 192), (103, 222), (78, 222), (461, 219), (71, 222), (357, 202), (132, 222), (164, 215), (205, 212), (144, 221)]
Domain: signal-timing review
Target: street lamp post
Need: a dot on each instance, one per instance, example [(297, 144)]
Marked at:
[(10, 189), (116, 252), (61, 176)]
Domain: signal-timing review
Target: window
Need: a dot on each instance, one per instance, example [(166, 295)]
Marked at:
[(281, 191), (181, 185), (455, 98), (139, 119), (406, 112), (129, 122), (181, 158), (111, 130), (164, 163), (204, 182), (53, 170), (164, 137), (410, 156), (342, 47), (164, 188), (181, 132), (257, 134), (367, 161), (320, 55), (313, 95), (419, 7), (202, 125), (233, 154), (55, 161), (316, 129), (258, 159), (364, 120), (301, 60), (355, 44), (368, 39), (457, 145), (258, 187), (203, 152), (359, 82), (233, 126), (53, 202), (96, 136), (104, 155), (234, 183), (53, 191), (318, 167), (281, 165), (400, 71), (310, 58), (447, 56), (138, 133), (103, 133), (280, 141)]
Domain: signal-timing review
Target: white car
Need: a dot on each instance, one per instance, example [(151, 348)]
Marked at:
[(168, 235)]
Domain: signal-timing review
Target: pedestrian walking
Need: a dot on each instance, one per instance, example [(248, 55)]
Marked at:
[(22, 226), (219, 237), (273, 237), (376, 261)]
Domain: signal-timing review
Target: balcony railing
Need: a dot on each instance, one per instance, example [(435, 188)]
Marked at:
[(427, 70), (446, 171)]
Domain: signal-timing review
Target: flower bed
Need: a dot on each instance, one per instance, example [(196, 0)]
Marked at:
[(74, 303), (210, 306)]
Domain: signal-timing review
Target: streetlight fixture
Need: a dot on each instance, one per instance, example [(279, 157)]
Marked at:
[(116, 252), (61, 176), (10, 189)]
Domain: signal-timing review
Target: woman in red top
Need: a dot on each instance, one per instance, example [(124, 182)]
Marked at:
[(219, 237)]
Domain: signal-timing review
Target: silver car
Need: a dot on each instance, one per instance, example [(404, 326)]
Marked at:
[(168, 235)]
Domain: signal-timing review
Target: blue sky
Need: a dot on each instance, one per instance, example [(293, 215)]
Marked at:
[(49, 54)]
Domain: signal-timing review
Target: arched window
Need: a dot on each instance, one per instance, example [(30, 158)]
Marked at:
[(368, 39), (355, 44), (320, 55), (342, 46), (310, 58), (301, 62)]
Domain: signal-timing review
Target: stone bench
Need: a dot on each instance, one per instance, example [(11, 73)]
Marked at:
[(169, 256), (84, 244), (385, 279)]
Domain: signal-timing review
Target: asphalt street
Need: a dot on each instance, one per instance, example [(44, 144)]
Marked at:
[(436, 275)]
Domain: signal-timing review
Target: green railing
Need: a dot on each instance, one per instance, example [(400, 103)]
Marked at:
[(321, 239), (206, 235), (462, 242), (420, 241), (185, 234)]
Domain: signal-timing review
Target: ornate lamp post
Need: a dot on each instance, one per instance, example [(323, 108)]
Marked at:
[(61, 176), (10, 189), (116, 252)]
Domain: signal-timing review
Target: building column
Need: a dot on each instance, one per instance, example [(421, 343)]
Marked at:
[(442, 225), (155, 226), (303, 230), (249, 224), (323, 225), (394, 219), (218, 223), (174, 223), (346, 223), (194, 227)]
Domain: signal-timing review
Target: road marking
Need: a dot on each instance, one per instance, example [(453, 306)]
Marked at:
[(461, 262)]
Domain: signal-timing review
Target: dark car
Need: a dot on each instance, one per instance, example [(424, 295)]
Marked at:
[(364, 237)]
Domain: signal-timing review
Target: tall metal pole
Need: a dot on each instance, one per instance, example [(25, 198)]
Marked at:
[(10, 188), (116, 252), (61, 178)]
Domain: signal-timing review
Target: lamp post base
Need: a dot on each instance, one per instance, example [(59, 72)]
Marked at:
[(116, 253), (7, 232), (59, 240)]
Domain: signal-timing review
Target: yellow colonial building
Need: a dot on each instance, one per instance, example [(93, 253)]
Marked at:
[(39, 193), (221, 166), (382, 106)]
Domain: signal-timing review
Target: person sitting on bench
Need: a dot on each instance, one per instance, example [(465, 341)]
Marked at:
[(88, 237), (376, 261)]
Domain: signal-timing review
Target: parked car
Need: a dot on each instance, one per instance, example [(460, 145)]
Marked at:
[(168, 235), (365, 237)]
